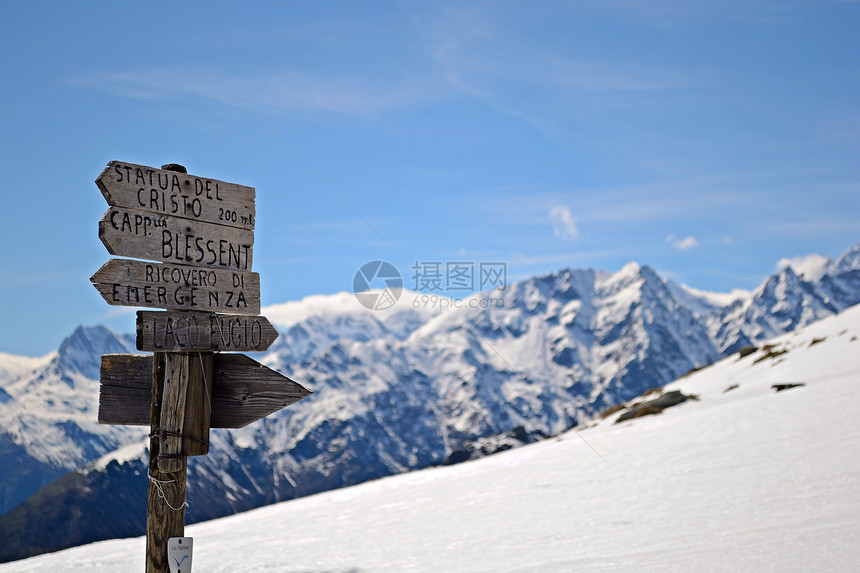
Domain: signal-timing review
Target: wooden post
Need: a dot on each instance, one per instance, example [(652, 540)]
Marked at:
[(165, 507), (186, 408), (180, 417), (173, 402)]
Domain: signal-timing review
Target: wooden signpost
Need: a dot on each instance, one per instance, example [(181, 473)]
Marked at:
[(243, 390), (197, 236), (203, 332), (170, 192), (133, 233), (127, 282)]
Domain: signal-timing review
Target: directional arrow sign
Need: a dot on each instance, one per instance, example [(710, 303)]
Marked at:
[(145, 235), (177, 194), (203, 332), (243, 390), (126, 282)]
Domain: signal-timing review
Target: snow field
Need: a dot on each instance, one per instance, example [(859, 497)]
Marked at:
[(748, 479)]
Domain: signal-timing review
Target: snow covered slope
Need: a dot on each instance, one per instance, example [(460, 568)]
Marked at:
[(743, 479)]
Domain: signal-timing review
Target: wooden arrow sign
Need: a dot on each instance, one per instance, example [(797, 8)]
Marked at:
[(203, 230), (243, 390), (177, 194), (203, 332), (126, 282), (146, 235)]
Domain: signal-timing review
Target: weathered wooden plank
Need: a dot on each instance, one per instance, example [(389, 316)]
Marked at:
[(143, 235), (114, 402), (177, 373), (203, 332), (246, 391), (243, 390), (126, 282), (198, 405), (126, 389), (178, 194)]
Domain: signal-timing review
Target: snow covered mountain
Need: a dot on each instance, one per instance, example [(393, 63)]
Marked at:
[(313, 324), (744, 477), (48, 413), (786, 301), (393, 392)]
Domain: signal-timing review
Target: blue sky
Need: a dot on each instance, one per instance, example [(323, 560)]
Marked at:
[(706, 139)]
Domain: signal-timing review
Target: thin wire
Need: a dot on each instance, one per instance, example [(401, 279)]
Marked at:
[(220, 324), (167, 433), (205, 384), (159, 483)]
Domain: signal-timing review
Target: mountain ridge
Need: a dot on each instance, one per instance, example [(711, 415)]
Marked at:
[(405, 394)]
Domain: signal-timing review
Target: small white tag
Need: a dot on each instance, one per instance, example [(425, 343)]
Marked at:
[(179, 554)]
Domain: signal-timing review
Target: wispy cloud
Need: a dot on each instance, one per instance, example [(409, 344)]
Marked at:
[(472, 52), (524, 260), (283, 90), (812, 266), (115, 312), (563, 222), (484, 55), (812, 227), (684, 244), (666, 200)]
